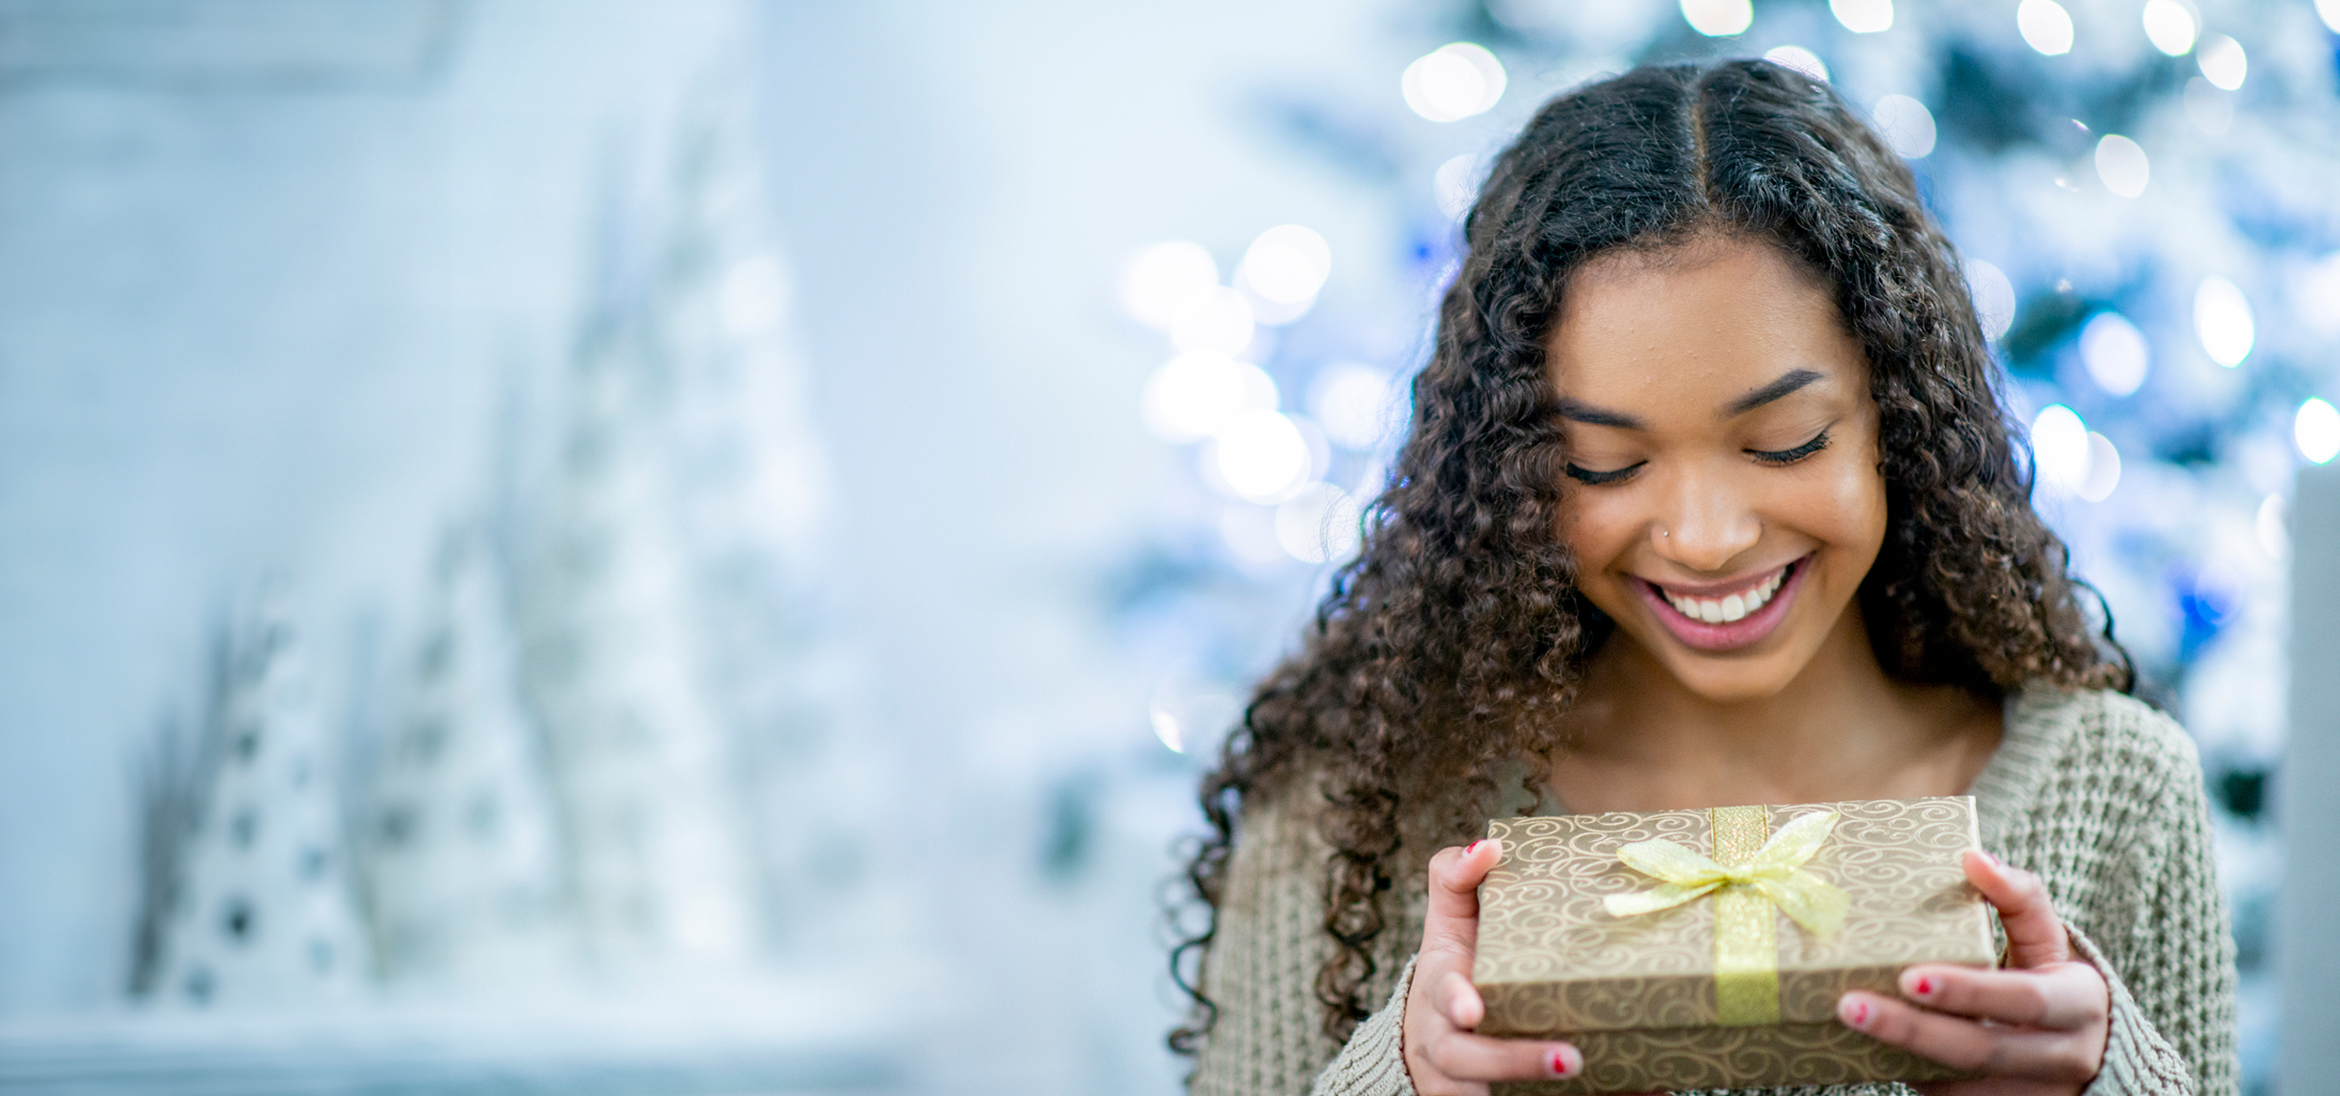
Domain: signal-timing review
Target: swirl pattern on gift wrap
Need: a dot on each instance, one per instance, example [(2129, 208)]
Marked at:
[(1551, 960)]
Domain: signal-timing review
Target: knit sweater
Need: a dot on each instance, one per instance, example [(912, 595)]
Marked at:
[(2097, 793)]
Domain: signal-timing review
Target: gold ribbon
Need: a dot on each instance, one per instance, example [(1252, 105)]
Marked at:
[(1748, 876)]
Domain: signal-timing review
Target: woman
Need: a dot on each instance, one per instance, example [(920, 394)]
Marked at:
[(1708, 499)]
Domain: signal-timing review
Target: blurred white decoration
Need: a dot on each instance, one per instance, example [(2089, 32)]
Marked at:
[(2222, 320), (1192, 395), (1863, 16), (2329, 12), (2104, 469), (1800, 59), (1250, 535), (2316, 429), (2045, 26), (2223, 61), (1994, 297), (1162, 280), (1353, 404), (1319, 524), (2315, 294), (2114, 352), (458, 846), (1219, 319), (1283, 271), (1260, 455), (2210, 108), (754, 296), (2273, 526), (2170, 26), (1456, 184), (264, 914), (1718, 18), (1453, 82), (1907, 124), (2060, 449), (2121, 163)]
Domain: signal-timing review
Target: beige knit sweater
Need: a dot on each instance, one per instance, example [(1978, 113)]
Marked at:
[(2096, 792)]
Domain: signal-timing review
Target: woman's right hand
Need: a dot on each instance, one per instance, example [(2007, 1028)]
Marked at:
[(1443, 1055)]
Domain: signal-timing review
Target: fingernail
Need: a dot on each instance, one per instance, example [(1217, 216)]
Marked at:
[(1565, 1061), (1925, 987), (1473, 847), (1855, 1012)]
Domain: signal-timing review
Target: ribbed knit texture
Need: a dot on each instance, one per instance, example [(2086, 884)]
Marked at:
[(2098, 793)]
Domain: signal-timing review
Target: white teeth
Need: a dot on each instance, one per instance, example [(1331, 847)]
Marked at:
[(1733, 607)]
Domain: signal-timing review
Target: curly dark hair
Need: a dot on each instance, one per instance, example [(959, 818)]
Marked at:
[(1441, 656)]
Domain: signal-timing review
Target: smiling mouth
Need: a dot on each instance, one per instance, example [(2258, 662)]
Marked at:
[(1729, 607)]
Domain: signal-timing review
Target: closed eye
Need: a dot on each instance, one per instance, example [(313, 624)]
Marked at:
[(1790, 456), (1594, 479)]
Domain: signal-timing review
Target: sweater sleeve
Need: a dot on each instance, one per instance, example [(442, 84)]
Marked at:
[(1374, 1061)]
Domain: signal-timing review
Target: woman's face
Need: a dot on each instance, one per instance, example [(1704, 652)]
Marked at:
[(1726, 500)]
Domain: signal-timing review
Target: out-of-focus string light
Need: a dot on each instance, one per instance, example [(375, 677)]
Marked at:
[(2104, 469), (1260, 455), (1863, 16), (2114, 352), (1456, 184), (1219, 320), (2315, 294), (2273, 524), (2222, 320), (2059, 449), (1352, 404), (1163, 279), (2045, 26), (1802, 60), (1318, 525), (2169, 26), (2121, 163), (2329, 12), (1907, 124), (1453, 82), (1192, 395), (1718, 18), (1283, 270), (1994, 297), (2223, 61), (2316, 430)]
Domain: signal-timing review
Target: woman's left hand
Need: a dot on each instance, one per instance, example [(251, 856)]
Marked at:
[(2034, 1027)]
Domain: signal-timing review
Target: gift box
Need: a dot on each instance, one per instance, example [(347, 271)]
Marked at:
[(1707, 948)]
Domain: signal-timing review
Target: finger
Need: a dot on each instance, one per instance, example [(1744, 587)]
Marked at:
[(2035, 937), (1458, 1000), (2064, 996), (1467, 1057), (1966, 1044), (1451, 921)]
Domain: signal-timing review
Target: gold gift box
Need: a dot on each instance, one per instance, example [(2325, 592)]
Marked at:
[(1724, 989)]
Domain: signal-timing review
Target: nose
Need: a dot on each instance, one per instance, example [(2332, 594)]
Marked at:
[(1705, 522)]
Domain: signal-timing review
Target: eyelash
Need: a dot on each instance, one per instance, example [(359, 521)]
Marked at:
[(1590, 478)]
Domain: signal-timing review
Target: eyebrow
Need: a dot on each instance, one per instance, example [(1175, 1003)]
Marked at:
[(1788, 382)]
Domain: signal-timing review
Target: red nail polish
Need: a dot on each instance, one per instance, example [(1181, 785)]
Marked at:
[(1860, 1014), (1473, 847), (1925, 986), (1560, 1063)]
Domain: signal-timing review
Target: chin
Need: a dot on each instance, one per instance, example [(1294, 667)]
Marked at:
[(1724, 681)]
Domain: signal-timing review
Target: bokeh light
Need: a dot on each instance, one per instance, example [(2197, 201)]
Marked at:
[(2059, 449), (2272, 525), (1453, 82), (2045, 26), (1260, 455), (2222, 320), (1718, 18), (1994, 297), (2121, 163), (2315, 295), (1284, 269), (1800, 59), (1863, 16), (2104, 469), (1907, 124), (1165, 279), (2223, 62), (1218, 319), (2169, 26), (1455, 185), (1352, 403), (2316, 430), (2329, 12), (1192, 395), (1318, 525), (2114, 352)]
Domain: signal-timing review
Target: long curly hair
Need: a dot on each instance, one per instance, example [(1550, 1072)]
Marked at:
[(1441, 656)]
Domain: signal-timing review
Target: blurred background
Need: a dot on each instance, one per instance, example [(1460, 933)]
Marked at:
[(698, 547)]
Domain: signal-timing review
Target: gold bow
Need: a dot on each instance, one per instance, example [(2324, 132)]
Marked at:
[(1747, 882)]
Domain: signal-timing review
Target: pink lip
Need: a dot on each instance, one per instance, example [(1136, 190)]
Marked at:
[(1730, 635)]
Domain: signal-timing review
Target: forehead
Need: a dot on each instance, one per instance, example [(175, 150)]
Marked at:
[(1712, 314)]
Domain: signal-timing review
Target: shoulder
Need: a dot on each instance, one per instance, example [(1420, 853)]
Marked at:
[(2094, 779), (2104, 733)]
